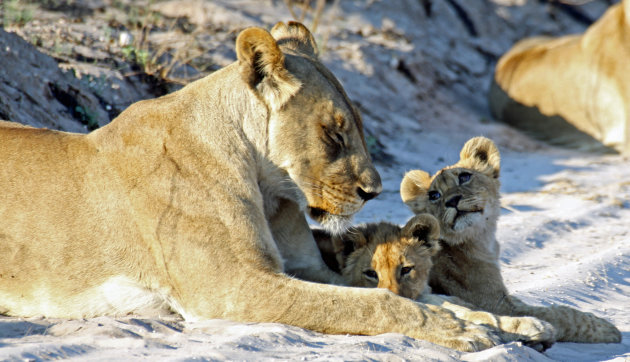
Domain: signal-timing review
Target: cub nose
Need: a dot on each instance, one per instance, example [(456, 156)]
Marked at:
[(367, 195), (453, 201)]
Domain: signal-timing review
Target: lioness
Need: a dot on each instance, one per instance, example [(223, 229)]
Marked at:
[(571, 90), (384, 255), (464, 197), (196, 201)]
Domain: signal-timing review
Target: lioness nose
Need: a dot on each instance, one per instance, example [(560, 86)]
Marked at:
[(369, 184), (366, 195), (453, 201)]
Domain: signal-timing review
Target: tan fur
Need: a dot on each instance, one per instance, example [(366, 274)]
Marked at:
[(572, 90), (384, 255), (195, 201), (467, 266)]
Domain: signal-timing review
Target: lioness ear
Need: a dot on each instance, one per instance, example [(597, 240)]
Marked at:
[(426, 229), (261, 64), (296, 37), (481, 154), (413, 185)]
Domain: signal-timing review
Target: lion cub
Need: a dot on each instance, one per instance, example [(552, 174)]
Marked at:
[(384, 255), (464, 198)]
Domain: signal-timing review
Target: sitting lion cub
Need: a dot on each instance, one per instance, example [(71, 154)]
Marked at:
[(384, 255), (464, 198)]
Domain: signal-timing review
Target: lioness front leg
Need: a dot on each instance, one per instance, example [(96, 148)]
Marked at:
[(298, 247), (536, 333), (340, 310)]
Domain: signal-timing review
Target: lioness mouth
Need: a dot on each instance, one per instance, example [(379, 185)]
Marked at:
[(317, 213), (335, 224)]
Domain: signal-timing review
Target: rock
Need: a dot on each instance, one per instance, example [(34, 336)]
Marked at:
[(35, 91)]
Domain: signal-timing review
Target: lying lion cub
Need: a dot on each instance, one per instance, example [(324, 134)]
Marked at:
[(464, 198), (384, 255), (196, 201)]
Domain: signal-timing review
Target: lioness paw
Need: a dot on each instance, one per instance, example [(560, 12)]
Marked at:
[(477, 338)]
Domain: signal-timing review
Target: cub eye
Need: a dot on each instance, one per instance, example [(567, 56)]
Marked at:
[(406, 270), (434, 195), (371, 274), (464, 177)]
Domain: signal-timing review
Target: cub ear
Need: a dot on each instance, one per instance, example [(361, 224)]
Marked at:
[(261, 65), (413, 185), (425, 228), (330, 247), (296, 37), (481, 154)]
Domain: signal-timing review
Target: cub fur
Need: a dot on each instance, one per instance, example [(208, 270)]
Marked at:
[(196, 201), (384, 255), (464, 198)]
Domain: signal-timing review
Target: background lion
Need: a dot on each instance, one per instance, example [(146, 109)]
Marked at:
[(195, 201), (464, 198), (572, 90)]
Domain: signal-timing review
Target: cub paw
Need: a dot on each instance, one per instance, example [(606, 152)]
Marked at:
[(529, 329)]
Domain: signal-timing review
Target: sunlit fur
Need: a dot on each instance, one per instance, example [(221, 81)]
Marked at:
[(476, 212), (467, 265)]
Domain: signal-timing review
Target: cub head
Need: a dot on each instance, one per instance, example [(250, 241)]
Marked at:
[(464, 197), (384, 255), (315, 134)]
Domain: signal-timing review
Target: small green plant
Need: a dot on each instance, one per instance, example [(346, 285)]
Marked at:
[(86, 117), (138, 56), (16, 12)]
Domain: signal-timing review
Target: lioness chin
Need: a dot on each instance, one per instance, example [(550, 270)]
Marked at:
[(196, 201), (464, 198)]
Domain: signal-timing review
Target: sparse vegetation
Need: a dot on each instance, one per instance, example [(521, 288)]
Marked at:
[(15, 13)]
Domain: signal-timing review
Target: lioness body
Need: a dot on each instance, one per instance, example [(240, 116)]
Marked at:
[(572, 90), (196, 201), (384, 255), (464, 197)]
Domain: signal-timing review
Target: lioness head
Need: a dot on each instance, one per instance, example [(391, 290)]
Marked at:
[(314, 133), (464, 197), (384, 255)]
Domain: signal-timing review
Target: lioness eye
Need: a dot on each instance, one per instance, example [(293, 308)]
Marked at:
[(340, 140), (464, 177), (405, 270), (434, 195), (371, 274)]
